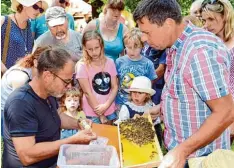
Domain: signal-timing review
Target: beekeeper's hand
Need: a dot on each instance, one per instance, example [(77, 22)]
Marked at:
[(175, 158)]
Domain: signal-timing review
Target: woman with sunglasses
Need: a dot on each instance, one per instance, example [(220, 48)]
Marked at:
[(110, 28), (16, 36), (218, 18)]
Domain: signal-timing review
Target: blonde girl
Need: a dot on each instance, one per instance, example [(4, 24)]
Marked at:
[(97, 77)]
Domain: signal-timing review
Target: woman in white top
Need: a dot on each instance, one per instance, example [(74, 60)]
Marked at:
[(18, 75)]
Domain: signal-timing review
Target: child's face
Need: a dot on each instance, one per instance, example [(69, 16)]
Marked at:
[(138, 98), (94, 49), (133, 52), (72, 103)]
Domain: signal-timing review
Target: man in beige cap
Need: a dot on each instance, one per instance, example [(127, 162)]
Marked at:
[(59, 34), (38, 25)]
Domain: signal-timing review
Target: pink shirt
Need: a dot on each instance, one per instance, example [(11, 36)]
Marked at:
[(100, 84), (232, 72)]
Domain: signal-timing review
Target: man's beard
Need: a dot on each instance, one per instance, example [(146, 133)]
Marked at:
[(60, 35), (54, 94)]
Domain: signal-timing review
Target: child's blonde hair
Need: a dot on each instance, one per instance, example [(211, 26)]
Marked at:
[(73, 92), (194, 20), (91, 35), (133, 36), (147, 99)]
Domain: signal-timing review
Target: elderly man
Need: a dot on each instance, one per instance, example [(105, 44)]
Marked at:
[(38, 25), (195, 8), (59, 34), (196, 104), (32, 123)]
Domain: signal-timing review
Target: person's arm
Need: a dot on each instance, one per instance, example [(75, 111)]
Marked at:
[(68, 122), (160, 71), (125, 30), (17, 79), (90, 26), (154, 112), (32, 152), (84, 84), (208, 75), (101, 109), (3, 68), (221, 117)]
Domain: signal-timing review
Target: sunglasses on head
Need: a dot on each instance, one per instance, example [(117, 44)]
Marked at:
[(36, 7), (211, 2), (64, 1)]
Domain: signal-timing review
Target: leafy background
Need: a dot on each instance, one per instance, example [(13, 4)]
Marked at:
[(130, 5)]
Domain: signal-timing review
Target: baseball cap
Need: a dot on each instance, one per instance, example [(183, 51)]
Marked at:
[(55, 16), (27, 3)]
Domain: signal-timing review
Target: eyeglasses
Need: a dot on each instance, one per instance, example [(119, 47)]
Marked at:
[(67, 82), (64, 1), (36, 7)]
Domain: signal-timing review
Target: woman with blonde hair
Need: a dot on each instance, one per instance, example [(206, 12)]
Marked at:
[(110, 28), (218, 17), (16, 35), (97, 77)]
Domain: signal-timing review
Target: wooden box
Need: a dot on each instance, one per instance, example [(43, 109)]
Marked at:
[(135, 156)]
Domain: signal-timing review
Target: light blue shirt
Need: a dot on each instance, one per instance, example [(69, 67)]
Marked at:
[(127, 70), (39, 26)]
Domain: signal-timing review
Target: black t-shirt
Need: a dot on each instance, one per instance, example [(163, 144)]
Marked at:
[(26, 114)]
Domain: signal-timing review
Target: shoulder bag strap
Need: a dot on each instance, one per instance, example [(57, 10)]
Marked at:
[(6, 40)]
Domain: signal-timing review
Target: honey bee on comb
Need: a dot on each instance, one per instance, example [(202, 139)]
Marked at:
[(137, 130)]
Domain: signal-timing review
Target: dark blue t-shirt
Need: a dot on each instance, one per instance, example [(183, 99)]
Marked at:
[(26, 114), (157, 57)]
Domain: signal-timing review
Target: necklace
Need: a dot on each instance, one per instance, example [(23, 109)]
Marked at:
[(23, 36), (112, 29)]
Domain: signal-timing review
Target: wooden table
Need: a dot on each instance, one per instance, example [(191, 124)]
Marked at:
[(108, 131)]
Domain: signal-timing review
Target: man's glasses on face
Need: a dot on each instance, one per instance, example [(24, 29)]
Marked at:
[(36, 7), (64, 1), (65, 81)]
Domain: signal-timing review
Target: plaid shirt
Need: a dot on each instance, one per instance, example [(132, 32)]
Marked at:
[(197, 71)]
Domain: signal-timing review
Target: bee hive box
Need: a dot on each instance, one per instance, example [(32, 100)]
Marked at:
[(139, 146)]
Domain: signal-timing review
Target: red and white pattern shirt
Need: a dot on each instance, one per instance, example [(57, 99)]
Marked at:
[(197, 71)]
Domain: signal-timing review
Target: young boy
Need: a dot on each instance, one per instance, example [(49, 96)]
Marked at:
[(131, 65)]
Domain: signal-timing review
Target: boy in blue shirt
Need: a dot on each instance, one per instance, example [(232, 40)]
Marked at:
[(131, 65)]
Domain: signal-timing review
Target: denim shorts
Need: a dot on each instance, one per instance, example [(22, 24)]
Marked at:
[(96, 120)]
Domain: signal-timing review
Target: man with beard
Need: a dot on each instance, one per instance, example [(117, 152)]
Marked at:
[(60, 35), (38, 25), (31, 116)]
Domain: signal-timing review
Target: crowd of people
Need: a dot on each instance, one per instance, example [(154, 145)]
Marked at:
[(179, 70)]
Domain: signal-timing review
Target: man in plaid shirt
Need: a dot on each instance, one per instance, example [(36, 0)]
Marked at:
[(196, 104)]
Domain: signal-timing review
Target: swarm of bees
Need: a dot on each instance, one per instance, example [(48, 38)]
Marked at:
[(138, 131)]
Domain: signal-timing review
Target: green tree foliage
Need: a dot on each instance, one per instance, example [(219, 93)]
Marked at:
[(130, 5), (6, 7)]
